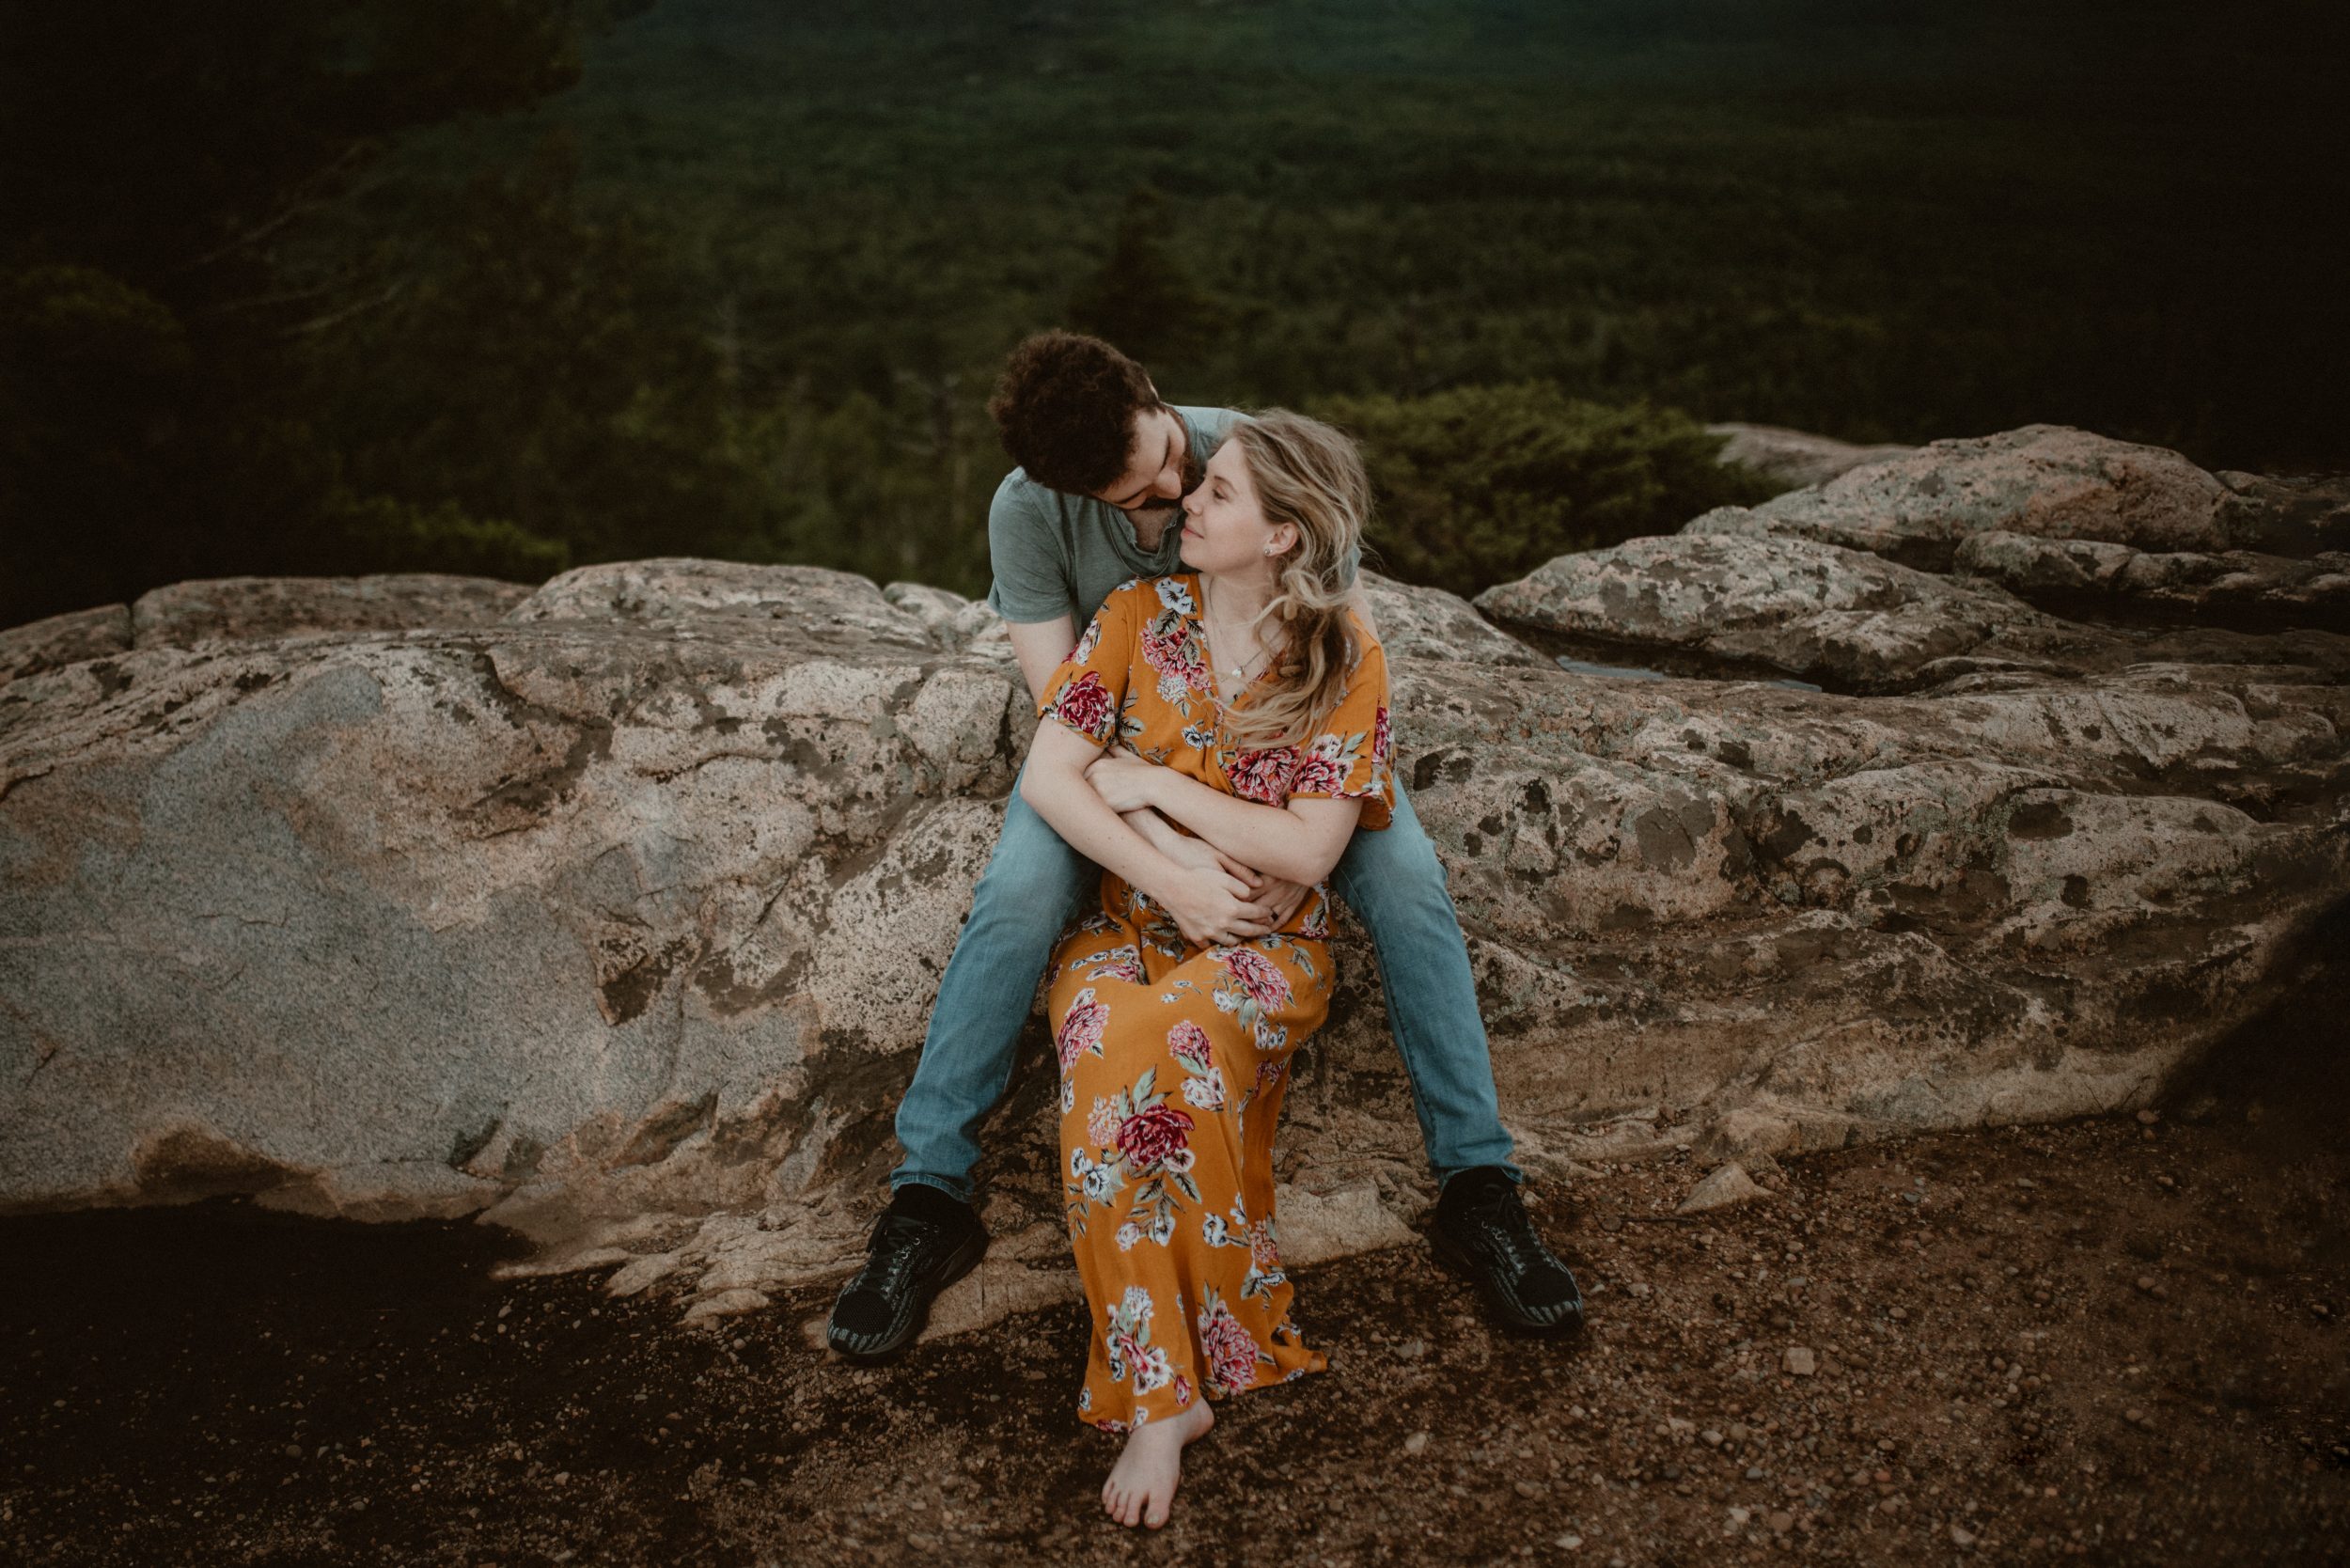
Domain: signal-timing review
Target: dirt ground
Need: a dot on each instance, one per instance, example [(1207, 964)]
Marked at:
[(2108, 1342)]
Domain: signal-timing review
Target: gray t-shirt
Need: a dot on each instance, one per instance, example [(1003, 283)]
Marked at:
[(1056, 553)]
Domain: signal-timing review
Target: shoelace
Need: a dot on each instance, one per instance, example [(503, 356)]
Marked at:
[(899, 1244), (1507, 1225)]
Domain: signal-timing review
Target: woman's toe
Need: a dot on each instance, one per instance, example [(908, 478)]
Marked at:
[(1156, 1514)]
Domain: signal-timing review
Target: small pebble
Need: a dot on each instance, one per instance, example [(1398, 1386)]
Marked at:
[(1416, 1443)]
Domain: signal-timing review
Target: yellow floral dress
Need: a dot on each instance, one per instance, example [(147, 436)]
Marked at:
[(1174, 1058)]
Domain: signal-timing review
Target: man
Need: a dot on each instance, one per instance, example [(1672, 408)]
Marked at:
[(1104, 465)]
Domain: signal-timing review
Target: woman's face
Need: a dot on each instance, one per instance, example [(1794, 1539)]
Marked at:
[(1225, 531)]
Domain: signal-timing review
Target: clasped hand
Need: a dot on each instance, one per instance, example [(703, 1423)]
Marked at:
[(1220, 901)]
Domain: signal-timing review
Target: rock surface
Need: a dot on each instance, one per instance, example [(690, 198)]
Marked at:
[(244, 609), (63, 640), (618, 920), (2075, 521), (1796, 458), (2241, 587)]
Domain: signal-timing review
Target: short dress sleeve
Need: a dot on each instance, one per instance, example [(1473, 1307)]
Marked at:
[(1088, 692), (1352, 754)]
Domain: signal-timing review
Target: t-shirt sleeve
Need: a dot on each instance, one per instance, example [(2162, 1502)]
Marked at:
[(1024, 551), (1089, 690), (1353, 753)]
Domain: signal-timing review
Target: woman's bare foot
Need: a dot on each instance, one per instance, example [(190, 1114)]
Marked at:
[(1141, 1487)]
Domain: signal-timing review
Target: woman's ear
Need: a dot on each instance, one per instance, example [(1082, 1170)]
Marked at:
[(1281, 541)]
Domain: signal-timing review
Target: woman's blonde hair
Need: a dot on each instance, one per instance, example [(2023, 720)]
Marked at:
[(1309, 474)]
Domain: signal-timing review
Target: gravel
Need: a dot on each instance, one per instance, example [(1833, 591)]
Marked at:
[(1985, 1375)]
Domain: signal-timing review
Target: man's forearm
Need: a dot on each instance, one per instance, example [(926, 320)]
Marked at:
[(1073, 809), (1155, 830), (1270, 839)]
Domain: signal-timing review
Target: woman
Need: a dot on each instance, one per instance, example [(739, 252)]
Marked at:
[(1255, 701)]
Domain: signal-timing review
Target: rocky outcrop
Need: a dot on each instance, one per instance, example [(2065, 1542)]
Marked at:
[(244, 609), (2082, 524), (1829, 615), (2046, 480), (2232, 586), (63, 640), (618, 920), (1796, 458)]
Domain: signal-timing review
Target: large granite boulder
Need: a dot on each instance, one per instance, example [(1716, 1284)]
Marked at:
[(63, 640), (1796, 458), (2229, 587), (1829, 615), (2047, 480), (618, 920), (240, 609), (2082, 524)]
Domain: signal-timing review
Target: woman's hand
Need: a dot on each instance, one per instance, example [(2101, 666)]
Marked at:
[(1212, 907), (1123, 781)]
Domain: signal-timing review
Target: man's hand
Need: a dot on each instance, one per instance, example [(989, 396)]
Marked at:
[(1281, 898), (1211, 907)]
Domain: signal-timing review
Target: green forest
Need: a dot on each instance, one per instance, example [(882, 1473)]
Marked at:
[(508, 286)]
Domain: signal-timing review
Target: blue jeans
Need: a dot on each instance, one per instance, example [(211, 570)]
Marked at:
[(1035, 885)]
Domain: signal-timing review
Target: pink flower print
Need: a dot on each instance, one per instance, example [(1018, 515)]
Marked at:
[(1081, 1030), (1150, 1135), (1175, 662), (1206, 1093), (1087, 705), (1231, 1351), (1102, 1122), (1189, 1043), (1382, 739), (1263, 775), (1320, 772), (1261, 1250), (1258, 974)]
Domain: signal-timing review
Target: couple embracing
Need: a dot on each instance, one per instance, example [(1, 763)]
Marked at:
[(1213, 760)]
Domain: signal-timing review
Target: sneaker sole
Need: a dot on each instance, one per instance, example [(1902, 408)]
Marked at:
[(876, 1350), (1451, 1254)]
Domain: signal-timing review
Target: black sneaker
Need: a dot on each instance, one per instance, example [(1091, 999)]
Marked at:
[(1485, 1233), (916, 1251)]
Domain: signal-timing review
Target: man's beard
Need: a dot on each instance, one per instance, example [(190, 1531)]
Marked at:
[(1195, 475)]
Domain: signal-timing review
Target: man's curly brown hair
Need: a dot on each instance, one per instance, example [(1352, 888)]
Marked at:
[(1065, 409)]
